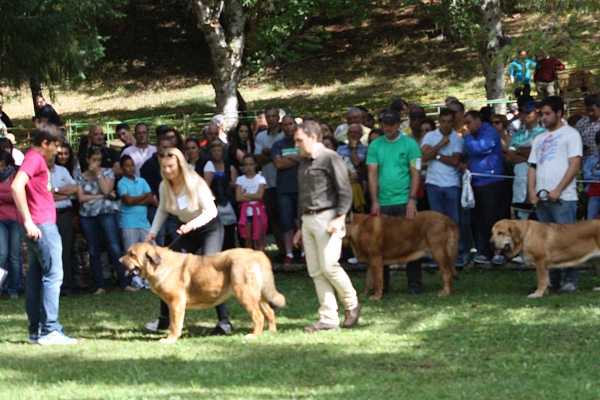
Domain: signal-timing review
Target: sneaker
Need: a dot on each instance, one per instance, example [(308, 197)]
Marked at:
[(353, 260), (224, 327), (568, 287), (288, 260), (137, 283), (33, 338), (56, 338), (481, 259), (499, 259), (518, 260), (460, 261), (432, 264), (159, 324)]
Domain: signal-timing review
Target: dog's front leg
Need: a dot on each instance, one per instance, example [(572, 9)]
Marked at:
[(376, 265), (368, 280), (542, 278), (176, 315)]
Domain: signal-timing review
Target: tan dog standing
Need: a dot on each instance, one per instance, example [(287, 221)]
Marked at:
[(385, 240), (547, 245), (187, 281)]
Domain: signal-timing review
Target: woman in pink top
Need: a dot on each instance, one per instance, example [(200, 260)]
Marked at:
[(10, 238)]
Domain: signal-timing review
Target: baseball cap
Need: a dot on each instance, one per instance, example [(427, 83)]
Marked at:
[(391, 117), (531, 106), (416, 111)]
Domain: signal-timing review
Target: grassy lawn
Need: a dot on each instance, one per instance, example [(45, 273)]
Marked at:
[(487, 341)]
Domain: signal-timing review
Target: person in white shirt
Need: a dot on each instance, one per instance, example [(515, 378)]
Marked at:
[(142, 150), (554, 162), (249, 191)]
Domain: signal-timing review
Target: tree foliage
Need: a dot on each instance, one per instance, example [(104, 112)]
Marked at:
[(51, 41)]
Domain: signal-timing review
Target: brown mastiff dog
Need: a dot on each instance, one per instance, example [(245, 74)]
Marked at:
[(187, 281), (547, 245), (385, 240)]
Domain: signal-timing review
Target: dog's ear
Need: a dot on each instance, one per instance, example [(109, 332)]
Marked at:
[(153, 257)]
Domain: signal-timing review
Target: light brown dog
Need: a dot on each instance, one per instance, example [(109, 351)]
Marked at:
[(547, 245), (385, 240), (581, 79), (187, 281)]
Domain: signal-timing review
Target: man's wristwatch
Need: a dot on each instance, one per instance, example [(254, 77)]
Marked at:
[(413, 198), (438, 157), (55, 190)]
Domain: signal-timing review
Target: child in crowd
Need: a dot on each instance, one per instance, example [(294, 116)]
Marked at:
[(249, 192), (135, 196)]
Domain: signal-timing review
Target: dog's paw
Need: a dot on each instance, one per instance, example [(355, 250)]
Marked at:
[(250, 336), (167, 340), (375, 297), (444, 293), (535, 295), (365, 293)]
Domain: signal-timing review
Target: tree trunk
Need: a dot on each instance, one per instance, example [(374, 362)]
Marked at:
[(36, 90), (490, 48), (222, 22)]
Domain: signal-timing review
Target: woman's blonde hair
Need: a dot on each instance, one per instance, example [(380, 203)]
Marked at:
[(191, 181)]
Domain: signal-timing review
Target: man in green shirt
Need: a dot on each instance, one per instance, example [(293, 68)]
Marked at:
[(394, 165)]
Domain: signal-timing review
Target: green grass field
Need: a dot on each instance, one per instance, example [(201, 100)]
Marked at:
[(487, 341)]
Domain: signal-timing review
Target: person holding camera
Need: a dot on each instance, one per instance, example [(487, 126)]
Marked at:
[(98, 216)]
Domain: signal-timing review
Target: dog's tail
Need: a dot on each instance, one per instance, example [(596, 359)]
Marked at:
[(269, 292)]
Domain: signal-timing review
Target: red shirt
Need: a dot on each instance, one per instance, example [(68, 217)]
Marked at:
[(38, 189), (545, 71)]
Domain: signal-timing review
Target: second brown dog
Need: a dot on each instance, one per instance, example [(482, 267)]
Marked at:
[(386, 240)]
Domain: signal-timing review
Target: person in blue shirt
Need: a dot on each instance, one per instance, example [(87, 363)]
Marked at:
[(135, 196), (484, 150), (520, 74)]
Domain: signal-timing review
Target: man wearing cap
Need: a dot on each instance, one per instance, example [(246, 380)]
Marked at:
[(394, 167), (4, 118), (416, 115), (519, 149)]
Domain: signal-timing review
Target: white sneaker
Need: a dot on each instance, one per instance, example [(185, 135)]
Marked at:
[(153, 326), (56, 338), (518, 260), (353, 260)]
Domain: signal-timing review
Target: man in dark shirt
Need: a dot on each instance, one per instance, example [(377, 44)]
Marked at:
[(46, 112), (545, 75), (110, 157), (5, 117), (286, 158), (325, 197)]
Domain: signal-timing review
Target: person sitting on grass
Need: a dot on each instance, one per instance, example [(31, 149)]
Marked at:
[(249, 191)]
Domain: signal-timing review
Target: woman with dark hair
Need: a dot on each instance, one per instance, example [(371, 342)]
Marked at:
[(500, 123), (98, 215), (7, 144), (192, 152), (330, 143), (176, 138), (220, 176), (65, 158), (10, 238), (241, 143)]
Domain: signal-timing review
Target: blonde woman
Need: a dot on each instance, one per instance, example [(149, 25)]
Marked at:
[(184, 194)]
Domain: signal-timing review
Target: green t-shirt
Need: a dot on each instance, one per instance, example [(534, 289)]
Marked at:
[(394, 160)]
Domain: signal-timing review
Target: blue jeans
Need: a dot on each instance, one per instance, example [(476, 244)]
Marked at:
[(593, 207), (288, 210), (559, 213), (107, 223), (446, 200), (10, 254), (44, 278)]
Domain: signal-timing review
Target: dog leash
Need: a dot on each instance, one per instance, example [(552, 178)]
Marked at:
[(174, 240)]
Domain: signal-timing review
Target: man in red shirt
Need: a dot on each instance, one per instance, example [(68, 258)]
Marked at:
[(545, 75), (35, 202)]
